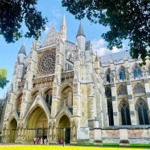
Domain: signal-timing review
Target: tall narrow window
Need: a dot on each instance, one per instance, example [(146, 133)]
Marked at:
[(122, 74), (18, 104), (137, 72), (48, 99), (125, 113), (109, 106), (142, 110), (108, 75)]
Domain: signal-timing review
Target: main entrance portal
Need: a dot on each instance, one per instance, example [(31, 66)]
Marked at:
[(64, 129), (37, 124), (12, 130)]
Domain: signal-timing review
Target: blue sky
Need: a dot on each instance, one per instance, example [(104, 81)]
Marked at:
[(53, 10)]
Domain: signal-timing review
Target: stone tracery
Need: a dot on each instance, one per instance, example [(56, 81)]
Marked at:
[(47, 62)]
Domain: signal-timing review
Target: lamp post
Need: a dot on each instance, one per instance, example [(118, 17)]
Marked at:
[(64, 136)]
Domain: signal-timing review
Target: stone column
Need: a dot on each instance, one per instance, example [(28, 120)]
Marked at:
[(73, 138), (115, 104), (131, 104)]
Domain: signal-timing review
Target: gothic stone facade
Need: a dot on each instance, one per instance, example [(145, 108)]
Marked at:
[(62, 90)]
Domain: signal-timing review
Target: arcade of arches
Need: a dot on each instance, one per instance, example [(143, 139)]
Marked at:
[(37, 126)]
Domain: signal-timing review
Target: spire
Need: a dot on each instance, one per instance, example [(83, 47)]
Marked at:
[(80, 31), (96, 58), (63, 29), (64, 21), (22, 49)]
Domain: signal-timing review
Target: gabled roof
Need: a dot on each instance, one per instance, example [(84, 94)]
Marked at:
[(52, 37)]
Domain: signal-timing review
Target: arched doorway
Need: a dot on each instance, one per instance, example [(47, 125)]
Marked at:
[(37, 124), (64, 129), (12, 130)]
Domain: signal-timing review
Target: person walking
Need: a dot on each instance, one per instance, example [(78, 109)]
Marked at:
[(34, 140)]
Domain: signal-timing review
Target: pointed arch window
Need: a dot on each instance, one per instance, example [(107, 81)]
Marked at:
[(122, 74), (108, 75), (142, 110), (125, 113), (122, 90), (109, 105), (48, 99), (137, 72), (18, 104), (108, 92), (139, 89)]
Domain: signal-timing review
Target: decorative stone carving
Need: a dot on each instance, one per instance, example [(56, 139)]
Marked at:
[(122, 90), (47, 63), (52, 37), (75, 87), (139, 89)]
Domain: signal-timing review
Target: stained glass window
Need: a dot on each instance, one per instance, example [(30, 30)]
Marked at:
[(122, 74), (139, 89), (108, 75), (48, 99), (137, 72), (125, 113), (122, 90), (109, 105), (142, 110)]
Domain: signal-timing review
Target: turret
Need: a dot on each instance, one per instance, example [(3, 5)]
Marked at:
[(21, 54), (63, 29), (80, 38)]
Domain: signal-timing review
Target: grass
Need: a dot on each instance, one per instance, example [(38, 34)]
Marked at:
[(116, 145)]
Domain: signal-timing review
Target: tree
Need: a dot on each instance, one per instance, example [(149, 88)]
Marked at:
[(127, 19), (3, 78), (15, 12)]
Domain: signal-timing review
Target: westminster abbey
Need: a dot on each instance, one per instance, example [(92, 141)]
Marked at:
[(62, 90)]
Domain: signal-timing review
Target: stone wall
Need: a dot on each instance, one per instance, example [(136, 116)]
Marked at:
[(121, 135)]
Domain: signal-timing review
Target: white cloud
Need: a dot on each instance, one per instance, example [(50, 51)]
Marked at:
[(100, 46), (56, 13), (54, 20), (115, 50)]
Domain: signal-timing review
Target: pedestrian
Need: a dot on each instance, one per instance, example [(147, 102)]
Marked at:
[(41, 141), (35, 140), (45, 141)]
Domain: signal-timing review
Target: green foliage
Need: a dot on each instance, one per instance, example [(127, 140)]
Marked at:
[(13, 13), (3, 78), (127, 19)]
